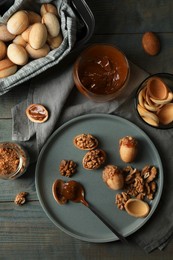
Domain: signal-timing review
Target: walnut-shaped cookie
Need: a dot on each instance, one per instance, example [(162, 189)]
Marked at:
[(128, 148), (94, 159), (37, 113), (85, 142), (113, 177)]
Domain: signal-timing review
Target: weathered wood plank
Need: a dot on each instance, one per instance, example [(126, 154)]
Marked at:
[(10, 188), (131, 45), (131, 16), (11, 98), (27, 233)]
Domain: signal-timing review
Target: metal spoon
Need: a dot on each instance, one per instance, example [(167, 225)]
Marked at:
[(80, 197)]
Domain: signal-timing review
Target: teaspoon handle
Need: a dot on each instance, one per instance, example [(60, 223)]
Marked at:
[(122, 238)]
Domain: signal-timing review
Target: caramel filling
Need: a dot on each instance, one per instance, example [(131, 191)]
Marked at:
[(37, 112)]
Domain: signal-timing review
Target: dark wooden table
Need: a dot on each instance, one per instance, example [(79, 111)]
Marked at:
[(26, 232)]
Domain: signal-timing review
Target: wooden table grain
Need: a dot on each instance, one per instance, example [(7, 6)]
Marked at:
[(26, 232)]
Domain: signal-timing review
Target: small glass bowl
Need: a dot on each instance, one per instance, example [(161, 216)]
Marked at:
[(101, 72), (166, 78), (14, 160)]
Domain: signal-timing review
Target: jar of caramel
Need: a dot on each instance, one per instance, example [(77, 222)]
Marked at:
[(101, 72), (14, 160)]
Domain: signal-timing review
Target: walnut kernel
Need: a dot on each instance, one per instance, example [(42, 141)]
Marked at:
[(138, 184), (67, 168), (20, 198), (121, 199)]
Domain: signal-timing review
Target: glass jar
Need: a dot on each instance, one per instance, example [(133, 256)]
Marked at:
[(14, 160), (101, 72)]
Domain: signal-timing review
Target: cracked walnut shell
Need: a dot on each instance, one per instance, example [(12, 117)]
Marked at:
[(94, 159), (85, 142)]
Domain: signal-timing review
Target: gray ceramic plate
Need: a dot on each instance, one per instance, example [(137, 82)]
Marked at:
[(75, 219)]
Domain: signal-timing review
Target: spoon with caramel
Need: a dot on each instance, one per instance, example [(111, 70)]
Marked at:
[(74, 191)]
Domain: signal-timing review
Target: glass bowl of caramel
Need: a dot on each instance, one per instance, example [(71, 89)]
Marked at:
[(101, 72)]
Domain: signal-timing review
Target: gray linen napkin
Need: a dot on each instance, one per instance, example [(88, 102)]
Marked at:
[(56, 89)]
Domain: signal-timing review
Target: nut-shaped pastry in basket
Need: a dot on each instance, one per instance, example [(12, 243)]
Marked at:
[(37, 35), (17, 54), (20, 41), (94, 159), (48, 8), (52, 24), (25, 34), (5, 35), (18, 22), (39, 53), (85, 142), (55, 42), (7, 68), (33, 17), (3, 50)]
